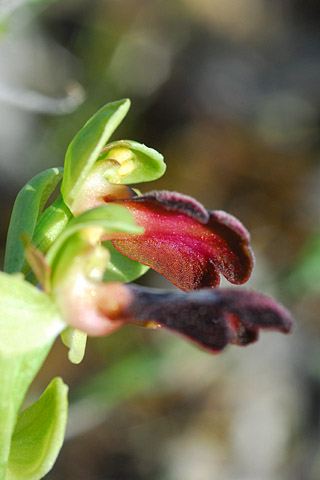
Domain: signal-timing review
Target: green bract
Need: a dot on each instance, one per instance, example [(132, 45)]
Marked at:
[(27, 208), (39, 434), (86, 147), (135, 162)]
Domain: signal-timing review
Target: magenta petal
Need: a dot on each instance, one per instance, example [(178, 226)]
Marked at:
[(185, 242), (210, 318)]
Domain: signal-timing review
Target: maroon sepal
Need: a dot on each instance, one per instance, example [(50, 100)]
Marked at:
[(210, 318), (185, 242)]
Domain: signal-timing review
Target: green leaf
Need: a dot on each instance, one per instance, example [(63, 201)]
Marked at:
[(86, 147), (16, 375), (29, 319), (110, 218), (28, 205), (139, 162), (39, 434), (121, 268), (29, 323)]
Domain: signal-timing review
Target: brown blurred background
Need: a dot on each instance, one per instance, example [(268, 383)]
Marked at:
[(228, 91)]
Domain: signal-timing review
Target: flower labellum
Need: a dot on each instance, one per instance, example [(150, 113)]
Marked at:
[(185, 242), (210, 318)]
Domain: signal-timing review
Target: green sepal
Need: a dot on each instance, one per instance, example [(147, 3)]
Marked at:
[(110, 218), (27, 208), (148, 164), (121, 268), (86, 147), (38, 434)]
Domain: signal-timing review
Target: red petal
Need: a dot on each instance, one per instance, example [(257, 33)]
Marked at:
[(186, 243)]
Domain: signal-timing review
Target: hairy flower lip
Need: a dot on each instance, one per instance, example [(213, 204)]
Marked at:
[(210, 318), (174, 201), (185, 242)]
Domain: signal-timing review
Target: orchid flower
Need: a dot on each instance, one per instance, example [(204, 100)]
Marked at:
[(170, 232), (212, 318), (104, 227), (181, 240), (83, 250)]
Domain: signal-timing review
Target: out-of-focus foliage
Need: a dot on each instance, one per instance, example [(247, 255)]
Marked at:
[(228, 91)]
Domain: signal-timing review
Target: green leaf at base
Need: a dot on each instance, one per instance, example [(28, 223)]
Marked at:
[(29, 323), (39, 434)]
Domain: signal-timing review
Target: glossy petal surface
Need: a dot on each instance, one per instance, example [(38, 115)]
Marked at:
[(210, 318), (186, 243)]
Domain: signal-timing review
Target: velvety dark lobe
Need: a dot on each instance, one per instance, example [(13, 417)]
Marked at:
[(185, 242), (211, 318)]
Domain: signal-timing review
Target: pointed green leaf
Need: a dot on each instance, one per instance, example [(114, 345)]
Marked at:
[(121, 268), (86, 147), (28, 205), (39, 434), (135, 162)]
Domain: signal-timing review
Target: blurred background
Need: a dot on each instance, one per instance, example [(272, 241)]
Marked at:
[(228, 91)]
